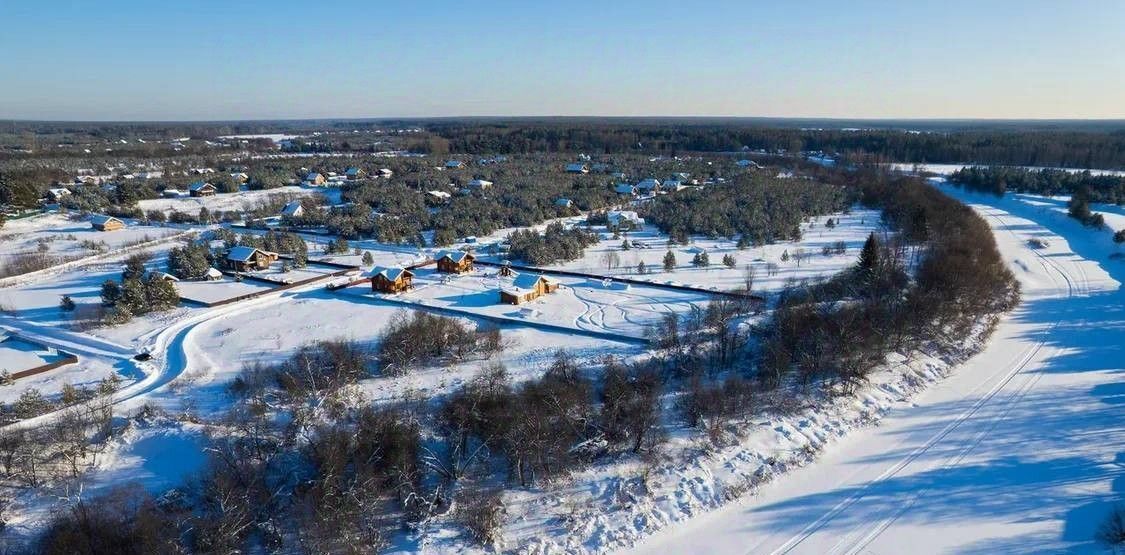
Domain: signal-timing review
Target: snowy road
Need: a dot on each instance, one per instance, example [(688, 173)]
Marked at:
[(1021, 450)]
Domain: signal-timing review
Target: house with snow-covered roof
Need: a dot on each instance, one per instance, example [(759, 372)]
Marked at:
[(245, 259), (523, 288), (101, 222), (454, 262), (391, 280), (202, 189)]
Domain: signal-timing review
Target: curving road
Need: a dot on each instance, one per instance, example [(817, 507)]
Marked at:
[(1018, 451)]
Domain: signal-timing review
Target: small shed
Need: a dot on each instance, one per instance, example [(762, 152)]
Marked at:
[(454, 164), (244, 259), (102, 222), (527, 287), (212, 275), (354, 173), (455, 262), (202, 189), (391, 280), (577, 167), (480, 184), (315, 179)]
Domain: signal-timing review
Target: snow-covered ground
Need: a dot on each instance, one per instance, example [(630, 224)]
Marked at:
[(579, 303), (243, 200), (852, 230), (68, 238), (947, 169), (1019, 451)]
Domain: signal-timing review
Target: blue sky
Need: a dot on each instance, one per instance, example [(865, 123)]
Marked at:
[(334, 58)]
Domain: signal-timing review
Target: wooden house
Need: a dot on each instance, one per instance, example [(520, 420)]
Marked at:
[(245, 259), (106, 223), (527, 287), (56, 195), (455, 262), (202, 189), (577, 167), (391, 280), (315, 179), (354, 173)]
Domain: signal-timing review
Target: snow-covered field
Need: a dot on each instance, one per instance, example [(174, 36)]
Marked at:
[(232, 201), (1019, 451), (852, 230), (947, 169), (65, 238), (579, 303)]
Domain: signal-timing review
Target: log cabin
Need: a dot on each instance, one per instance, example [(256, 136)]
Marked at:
[(391, 280), (455, 262), (106, 223), (527, 287), (245, 259), (202, 189)]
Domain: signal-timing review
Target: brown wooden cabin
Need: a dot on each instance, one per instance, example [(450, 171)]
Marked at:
[(106, 223), (455, 262), (202, 189), (392, 280), (246, 259), (507, 271), (525, 288)]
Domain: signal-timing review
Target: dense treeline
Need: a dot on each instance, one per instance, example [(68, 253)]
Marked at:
[(757, 209), (555, 244), (839, 331), (1023, 147), (997, 180)]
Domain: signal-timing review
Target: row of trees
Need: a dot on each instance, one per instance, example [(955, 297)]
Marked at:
[(555, 244), (997, 180)]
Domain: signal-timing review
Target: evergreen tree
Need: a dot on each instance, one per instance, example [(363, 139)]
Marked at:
[(701, 260), (729, 261), (869, 256), (111, 293), (641, 268), (669, 261), (67, 304), (625, 245), (367, 258)]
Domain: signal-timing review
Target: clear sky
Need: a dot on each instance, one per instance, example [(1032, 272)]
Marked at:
[(242, 59)]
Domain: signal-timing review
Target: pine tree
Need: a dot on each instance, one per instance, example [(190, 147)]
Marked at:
[(111, 293), (625, 245), (669, 261), (743, 242), (869, 256), (67, 303), (701, 260), (729, 261), (367, 258), (641, 268), (785, 255)]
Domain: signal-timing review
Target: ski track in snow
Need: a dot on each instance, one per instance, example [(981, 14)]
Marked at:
[(922, 482)]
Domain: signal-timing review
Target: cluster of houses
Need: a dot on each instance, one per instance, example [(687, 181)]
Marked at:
[(516, 288)]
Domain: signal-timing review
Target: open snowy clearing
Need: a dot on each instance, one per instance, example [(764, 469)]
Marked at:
[(64, 237), (852, 229), (1020, 451), (579, 303), (224, 202)]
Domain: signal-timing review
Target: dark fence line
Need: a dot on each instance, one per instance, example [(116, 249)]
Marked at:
[(688, 288), (67, 358)]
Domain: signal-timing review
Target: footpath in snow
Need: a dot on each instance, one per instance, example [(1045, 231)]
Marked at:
[(1021, 450)]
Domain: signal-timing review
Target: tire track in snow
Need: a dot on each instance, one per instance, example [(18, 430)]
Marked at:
[(848, 544)]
